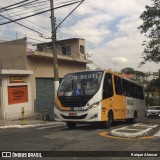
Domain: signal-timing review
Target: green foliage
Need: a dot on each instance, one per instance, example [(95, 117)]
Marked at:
[(129, 70), (151, 28), (149, 101), (139, 73), (154, 85)]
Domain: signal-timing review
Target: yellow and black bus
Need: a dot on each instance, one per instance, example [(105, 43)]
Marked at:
[(98, 96)]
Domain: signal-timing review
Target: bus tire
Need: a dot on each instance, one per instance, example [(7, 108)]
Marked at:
[(134, 119), (71, 125), (109, 123)]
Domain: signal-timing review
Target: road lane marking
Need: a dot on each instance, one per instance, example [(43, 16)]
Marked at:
[(106, 134)]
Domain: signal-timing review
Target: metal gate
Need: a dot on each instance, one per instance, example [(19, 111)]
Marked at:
[(45, 96)]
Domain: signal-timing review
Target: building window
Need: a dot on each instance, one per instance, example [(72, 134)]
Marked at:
[(66, 50), (82, 49)]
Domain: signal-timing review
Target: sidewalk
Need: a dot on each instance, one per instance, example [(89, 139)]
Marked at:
[(26, 123), (134, 131)]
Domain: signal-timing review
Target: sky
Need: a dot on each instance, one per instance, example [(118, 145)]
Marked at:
[(109, 28)]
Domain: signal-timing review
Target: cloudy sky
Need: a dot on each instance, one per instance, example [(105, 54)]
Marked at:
[(108, 26)]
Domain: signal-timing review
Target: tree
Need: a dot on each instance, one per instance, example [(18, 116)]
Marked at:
[(154, 85), (151, 28), (149, 101), (128, 70), (140, 73)]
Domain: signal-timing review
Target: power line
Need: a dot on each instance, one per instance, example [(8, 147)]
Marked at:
[(28, 20), (3, 8), (31, 28), (40, 33), (38, 13), (38, 9), (90, 44), (24, 26), (24, 12), (29, 3), (36, 40), (69, 14), (34, 23), (38, 4), (93, 50)]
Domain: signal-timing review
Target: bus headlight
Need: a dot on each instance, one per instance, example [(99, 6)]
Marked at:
[(56, 107), (94, 105)]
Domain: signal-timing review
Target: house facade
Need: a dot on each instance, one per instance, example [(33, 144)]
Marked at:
[(27, 77)]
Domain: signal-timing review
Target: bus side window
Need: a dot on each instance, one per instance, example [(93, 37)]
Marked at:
[(140, 93), (118, 85), (107, 86), (134, 92), (126, 87)]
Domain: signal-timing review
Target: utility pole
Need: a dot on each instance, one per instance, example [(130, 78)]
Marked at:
[(54, 50)]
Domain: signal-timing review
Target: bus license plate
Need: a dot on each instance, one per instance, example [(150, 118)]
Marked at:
[(72, 114)]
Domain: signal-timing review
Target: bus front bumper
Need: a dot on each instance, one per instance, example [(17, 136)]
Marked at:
[(78, 116)]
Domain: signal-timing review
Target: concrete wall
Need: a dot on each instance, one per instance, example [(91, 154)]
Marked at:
[(10, 111), (82, 42), (12, 54)]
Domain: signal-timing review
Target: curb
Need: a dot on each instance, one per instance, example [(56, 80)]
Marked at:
[(30, 125), (122, 132)]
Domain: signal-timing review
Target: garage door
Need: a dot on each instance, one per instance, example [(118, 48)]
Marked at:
[(45, 96)]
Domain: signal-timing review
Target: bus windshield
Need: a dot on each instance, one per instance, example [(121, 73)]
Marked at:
[(80, 84)]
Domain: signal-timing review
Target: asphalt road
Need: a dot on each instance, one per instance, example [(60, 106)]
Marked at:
[(82, 138)]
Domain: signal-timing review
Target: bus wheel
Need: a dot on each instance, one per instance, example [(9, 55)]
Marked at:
[(110, 120), (134, 119), (71, 125)]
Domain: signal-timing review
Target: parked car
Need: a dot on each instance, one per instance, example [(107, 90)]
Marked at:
[(153, 111)]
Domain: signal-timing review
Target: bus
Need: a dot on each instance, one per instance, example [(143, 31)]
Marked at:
[(98, 96)]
